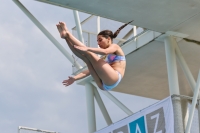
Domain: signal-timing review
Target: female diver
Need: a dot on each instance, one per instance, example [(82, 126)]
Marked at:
[(107, 72)]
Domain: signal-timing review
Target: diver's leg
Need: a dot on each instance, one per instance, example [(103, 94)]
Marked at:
[(90, 67), (65, 34), (107, 74)]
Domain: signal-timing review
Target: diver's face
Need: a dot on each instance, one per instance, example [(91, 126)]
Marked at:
[(102, 41)]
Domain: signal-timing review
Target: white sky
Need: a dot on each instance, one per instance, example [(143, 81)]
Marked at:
[(32, 70)]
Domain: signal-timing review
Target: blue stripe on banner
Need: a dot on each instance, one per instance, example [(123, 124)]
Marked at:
[(137, 126)]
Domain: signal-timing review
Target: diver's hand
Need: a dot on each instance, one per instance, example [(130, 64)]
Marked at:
[(68, 81)]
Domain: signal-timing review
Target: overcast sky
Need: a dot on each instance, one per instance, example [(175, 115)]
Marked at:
[(32, 70)]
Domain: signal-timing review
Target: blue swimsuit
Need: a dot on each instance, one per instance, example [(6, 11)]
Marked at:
[(110, 58)]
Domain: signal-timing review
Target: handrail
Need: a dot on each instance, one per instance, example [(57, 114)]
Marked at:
[(134, 37)]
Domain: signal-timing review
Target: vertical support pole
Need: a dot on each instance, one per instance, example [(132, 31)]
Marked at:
[(90, 108), (102, 106), (173, 82), (46, 33), (79, 29), (194, 102), (88, 86)]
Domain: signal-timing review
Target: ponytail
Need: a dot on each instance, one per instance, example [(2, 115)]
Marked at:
[(120, 28), (108, 33)]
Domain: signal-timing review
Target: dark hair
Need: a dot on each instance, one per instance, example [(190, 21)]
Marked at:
[(108, 33)]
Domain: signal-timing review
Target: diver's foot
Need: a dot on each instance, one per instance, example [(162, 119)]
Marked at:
[(62, 28)]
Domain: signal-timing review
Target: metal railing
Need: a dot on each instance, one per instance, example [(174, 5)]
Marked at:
[(22, 129)]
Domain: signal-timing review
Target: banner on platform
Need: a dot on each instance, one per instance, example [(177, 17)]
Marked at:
[(157, 118)]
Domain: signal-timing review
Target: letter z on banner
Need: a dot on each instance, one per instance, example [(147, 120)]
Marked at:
[(157, 118)]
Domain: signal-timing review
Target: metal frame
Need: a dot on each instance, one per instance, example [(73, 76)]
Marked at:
[(173, 51), (193, 85)]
